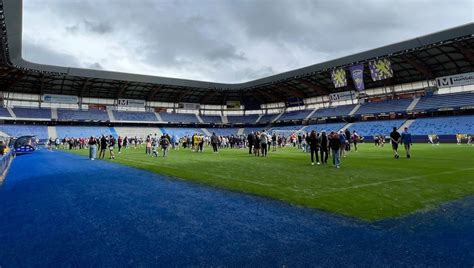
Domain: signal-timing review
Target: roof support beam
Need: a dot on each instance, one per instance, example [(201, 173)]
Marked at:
[(121, 90), (17, 78), (84, 87), (207, 97), (152, 93), (419, 67), (316, 88), (293, 91), (468, 53)]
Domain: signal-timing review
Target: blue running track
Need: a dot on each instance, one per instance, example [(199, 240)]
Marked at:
[(59, 209)]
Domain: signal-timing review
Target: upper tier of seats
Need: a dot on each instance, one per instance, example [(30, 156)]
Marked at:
[(247, 119), (135, 116), (443, 125), (82, 115), (211, 119), (333, 111), (435, 102), (268, 118), (43, 113), (294, 115), (325, 127), (384, 106), (179, 118), (4, 112)]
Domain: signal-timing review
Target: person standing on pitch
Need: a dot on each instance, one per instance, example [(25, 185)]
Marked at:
[(214, 142), (406, 140), (164, 142), (313, 142), (323, 144), (263, 143), (103, 146), (251, 141), (92, 148), (395, 139), (335, 145)]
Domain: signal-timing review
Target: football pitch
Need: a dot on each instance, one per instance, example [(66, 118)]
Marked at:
[(370, 185)]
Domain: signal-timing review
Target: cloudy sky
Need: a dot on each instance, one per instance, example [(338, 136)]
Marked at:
[(223, 40)]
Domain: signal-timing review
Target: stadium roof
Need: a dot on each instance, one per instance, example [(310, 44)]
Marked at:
[(443, 53)]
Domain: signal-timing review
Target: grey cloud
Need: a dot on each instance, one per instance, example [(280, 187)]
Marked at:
[(97, 27), (96, 66), (45, 55), (234, 41)]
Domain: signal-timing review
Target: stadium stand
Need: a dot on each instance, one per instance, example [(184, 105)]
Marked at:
[(342, 110), (180, 132), (389, 106), (326, 127), (224, 131), (371, 128), (40, 131), (135, 116), (443, 125), (294, 115), (179, 118), (247, 130), (140, 132), (267, 118), (43, 113), (211, 119), (82, 131), (4, 112), (436, 101), (247, 119), (82, 115)]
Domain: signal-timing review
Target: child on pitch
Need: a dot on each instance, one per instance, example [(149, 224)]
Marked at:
[(155, 146)]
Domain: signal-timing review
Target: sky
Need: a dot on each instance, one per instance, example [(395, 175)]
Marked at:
[(227, 41)]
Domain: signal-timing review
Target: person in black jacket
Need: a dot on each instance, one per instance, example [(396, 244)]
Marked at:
[(313, 143), (214, 142), (251, 141), (103, 146), (323, 144), (335, 145)]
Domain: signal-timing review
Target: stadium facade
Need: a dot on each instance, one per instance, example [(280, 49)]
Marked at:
[(418, 74)]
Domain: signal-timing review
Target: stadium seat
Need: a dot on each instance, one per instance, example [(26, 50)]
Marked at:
[(40, 131), (371, 128), (178, 118), (436, 102), (135, 116), (384, 107), (294, 115), (247, 119), (4, 112), (82, 115), (443, 125), (82, 131), (342, 110), (211, 119), (43, 113)]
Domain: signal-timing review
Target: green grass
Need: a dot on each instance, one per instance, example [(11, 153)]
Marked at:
[(370, 184)]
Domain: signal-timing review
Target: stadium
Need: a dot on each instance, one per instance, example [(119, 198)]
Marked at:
[(210, 174)]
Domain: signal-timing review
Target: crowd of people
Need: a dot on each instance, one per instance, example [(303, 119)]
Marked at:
[(319, 145)]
